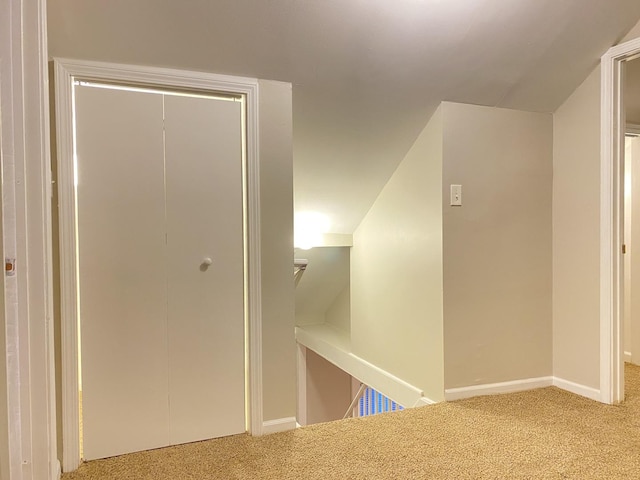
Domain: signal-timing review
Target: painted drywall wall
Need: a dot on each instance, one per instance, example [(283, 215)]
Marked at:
[(326, 276), (396, 270), (632, 91), (497, 245), (633, 33), (276, 193), (328, 390), (576, 234), (339, 313)]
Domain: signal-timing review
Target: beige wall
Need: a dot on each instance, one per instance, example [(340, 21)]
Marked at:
[(497, 245), (276, 193), (456, 296), (633, 33), (576, 233), (632, 92), (339, 313), (328, 390), (326, 276), (396, 270)]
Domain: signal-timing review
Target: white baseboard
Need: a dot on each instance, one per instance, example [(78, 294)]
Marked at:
[(279, 425), (57, 474), (627, 357), (451, 394), (423, 402), (519, 386), (578, 389)]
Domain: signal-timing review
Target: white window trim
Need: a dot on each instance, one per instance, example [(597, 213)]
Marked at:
[(65, 72)]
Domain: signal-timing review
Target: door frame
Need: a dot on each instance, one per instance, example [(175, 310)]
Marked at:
[(65, 72), (611, 219)]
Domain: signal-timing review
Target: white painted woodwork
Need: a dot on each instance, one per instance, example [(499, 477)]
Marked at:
[(122, 271), (272, 106), (521, 385), (611, 219), (205, 302), (161, 269), (335, 346), (26, 206), (279, 425)]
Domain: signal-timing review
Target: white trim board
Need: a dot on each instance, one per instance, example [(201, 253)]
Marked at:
[(26, 204), (452, 394), (576, 388), (301, 374), (633, 129), (612, 131), (335, 347), (279, 425), (66, 71), (424, 402)]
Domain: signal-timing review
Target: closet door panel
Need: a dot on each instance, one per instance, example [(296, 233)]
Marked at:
[(203, 139), (122, 270)]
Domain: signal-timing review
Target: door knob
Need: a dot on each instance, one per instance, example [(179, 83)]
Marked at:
[(206, 261)]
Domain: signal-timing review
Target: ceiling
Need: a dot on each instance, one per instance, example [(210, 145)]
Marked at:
[(366, 74)]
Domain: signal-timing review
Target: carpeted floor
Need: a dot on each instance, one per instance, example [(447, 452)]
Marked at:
[(541, 434)]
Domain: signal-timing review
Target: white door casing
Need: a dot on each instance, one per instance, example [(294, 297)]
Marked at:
[(66, 72), (611, 220), (26, 205)]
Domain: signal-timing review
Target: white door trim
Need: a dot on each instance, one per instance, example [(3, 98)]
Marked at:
[(633, 129), (611, 220), (65, 71)]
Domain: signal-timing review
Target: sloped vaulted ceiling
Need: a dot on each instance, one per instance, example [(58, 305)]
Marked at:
[(366, 74)]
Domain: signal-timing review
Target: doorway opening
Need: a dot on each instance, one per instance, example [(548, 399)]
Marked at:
[(186, 86), (158, 198), (613, 129)]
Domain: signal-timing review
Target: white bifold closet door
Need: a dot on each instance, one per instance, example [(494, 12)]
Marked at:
[(161, 269)]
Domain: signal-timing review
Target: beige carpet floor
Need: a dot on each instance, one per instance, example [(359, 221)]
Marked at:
[(541, 434)]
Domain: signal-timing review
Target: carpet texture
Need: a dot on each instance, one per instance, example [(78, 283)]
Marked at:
[(540, 434)]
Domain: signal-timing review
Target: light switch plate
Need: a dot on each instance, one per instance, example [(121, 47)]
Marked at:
[(456, 195)]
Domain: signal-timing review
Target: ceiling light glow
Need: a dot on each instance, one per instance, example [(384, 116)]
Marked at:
[(309, 228)]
